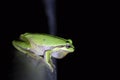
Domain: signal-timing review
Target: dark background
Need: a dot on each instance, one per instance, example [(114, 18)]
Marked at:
[(82, 21)]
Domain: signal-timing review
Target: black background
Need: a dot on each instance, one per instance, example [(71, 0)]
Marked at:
[(82, 21)]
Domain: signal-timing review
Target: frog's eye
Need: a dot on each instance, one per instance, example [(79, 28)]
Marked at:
[(68, 45)]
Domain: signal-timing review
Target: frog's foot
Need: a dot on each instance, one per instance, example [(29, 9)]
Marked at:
[(51, 66)]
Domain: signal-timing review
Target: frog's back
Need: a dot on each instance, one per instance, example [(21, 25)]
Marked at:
[(45, 39)]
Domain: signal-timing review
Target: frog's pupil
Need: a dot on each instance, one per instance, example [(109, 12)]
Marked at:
[(68, 46)]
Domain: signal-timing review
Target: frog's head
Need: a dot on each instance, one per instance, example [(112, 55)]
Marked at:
[(62, 50)]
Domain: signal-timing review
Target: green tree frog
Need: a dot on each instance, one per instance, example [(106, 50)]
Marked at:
[(45, 46)]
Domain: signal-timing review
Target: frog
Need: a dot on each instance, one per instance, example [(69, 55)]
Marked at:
[(45, 46)]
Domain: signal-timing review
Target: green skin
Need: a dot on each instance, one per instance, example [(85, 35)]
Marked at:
[(45, 46)]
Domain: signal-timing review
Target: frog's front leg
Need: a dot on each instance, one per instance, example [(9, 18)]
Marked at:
[(48, 60)]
